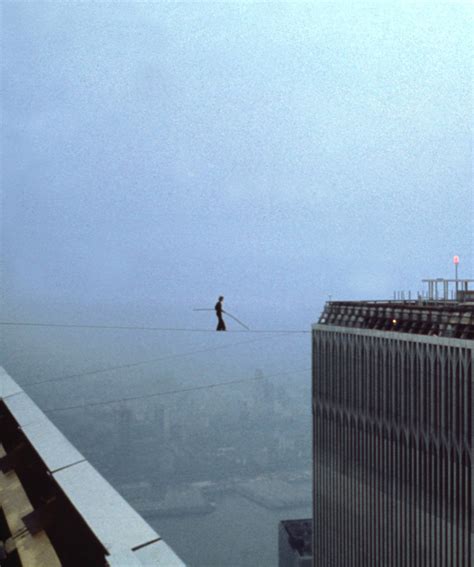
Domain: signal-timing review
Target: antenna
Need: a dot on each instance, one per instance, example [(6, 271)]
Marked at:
[(456, 264)]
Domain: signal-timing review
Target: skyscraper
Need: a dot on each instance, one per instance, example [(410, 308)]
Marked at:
[(393, 433), (55, 508), (294, 543)]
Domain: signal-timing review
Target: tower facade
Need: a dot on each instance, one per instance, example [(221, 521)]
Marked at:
[(393, 434)]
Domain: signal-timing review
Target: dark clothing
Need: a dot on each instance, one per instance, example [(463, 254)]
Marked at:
[(220, 320)]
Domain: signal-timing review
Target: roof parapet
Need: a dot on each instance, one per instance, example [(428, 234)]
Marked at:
[(67, 504), (452, 320)]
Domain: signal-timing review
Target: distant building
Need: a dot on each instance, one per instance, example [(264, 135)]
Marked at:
[(55, 508), (393, 433), (295, 543)]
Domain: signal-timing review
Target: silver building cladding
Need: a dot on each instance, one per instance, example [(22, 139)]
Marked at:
[(393, 434)]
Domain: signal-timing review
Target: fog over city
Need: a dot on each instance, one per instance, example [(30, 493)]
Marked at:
[(158, 155)]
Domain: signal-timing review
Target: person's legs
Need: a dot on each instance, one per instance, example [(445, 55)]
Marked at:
[(221, 324)]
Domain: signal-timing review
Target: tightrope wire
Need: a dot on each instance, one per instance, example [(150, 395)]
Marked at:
[(143, 362), (138, 328), (170, 392)]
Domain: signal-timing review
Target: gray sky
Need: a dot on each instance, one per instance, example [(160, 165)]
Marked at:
[(163, 153)]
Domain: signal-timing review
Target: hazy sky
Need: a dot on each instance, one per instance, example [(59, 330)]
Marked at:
[(166, 153)]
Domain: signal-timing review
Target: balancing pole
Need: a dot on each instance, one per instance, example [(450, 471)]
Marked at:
[(235, 319), (227, 313)]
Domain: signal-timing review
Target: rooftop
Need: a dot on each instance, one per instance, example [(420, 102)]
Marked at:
[(454, 319), (300, 534), (55, 508)]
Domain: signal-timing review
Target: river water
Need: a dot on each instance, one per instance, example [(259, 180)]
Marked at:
[(239, 533)]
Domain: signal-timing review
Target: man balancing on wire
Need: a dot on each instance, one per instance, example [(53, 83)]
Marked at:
[(220, 321), (219, 311)]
